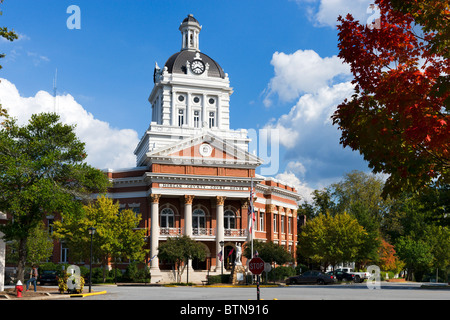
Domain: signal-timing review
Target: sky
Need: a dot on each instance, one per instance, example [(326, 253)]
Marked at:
[(280, 55)]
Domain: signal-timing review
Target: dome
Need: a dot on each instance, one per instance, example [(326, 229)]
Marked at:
[(190, 17), (177, 63)]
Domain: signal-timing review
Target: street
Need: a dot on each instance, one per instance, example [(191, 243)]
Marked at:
[(388, 291)]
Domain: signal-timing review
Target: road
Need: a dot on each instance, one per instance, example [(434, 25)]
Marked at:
[(387, 291)]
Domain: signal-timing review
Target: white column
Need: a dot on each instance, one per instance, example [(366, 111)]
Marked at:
[(220, 230), (2, 254), (188, 221), (154, 234), (188, 215)]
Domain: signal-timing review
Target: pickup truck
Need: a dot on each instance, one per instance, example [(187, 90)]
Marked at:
[(359, 276)]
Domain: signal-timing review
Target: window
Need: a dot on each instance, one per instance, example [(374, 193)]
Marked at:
[(282, 224), (64, 253), (180, 117), (196, 119), (50, 225), (212, 119), (290, 225), (198, 219), (261, 221), (229, 220), (275, 218), (166, 218)]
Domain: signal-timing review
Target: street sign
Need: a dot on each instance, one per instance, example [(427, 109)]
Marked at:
[(256, 266)]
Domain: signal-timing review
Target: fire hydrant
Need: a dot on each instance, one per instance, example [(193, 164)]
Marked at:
[(19, 289)]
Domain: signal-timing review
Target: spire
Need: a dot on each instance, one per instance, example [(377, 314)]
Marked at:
[(190, 29)]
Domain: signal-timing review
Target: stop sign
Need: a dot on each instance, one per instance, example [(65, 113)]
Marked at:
[(256, 265)]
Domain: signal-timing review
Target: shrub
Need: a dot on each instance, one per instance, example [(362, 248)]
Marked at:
[(281, 273)]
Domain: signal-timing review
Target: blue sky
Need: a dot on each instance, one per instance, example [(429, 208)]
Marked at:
[(281, 57)]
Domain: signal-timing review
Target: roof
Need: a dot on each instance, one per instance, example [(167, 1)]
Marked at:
[(190, 17), (177, 63)]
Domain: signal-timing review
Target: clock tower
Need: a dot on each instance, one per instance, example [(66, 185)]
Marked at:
[(190, 97)]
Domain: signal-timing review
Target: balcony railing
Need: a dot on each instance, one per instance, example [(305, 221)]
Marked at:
[(200, 232), (173, 232), (235, 232)]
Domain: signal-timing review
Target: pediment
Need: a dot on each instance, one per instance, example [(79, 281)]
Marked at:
[(206, 148)]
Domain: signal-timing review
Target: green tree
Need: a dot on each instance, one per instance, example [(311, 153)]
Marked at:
[(179, 251), (330, 240), (38, 250), (42, 171), (116, 235), (8, 35), (416, 254), (268, 251)]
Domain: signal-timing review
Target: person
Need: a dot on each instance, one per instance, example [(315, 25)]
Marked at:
[(33, 277)]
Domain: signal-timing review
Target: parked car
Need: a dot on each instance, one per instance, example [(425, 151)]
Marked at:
[(359, 276), (342, 275), (312, 277), (48, 276)]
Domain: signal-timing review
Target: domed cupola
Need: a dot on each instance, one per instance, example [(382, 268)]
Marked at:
[(190, 60)]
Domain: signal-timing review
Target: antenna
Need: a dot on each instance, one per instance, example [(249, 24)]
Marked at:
[(54, 89)]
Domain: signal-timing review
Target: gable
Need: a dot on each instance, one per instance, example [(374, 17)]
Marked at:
[(205, 148)]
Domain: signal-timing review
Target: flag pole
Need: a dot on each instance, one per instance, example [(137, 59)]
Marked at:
[(251, 217)]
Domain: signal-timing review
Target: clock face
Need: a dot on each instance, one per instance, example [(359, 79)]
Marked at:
[(197, 67)]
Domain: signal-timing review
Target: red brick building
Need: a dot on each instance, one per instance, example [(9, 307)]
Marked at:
[(194, 173)]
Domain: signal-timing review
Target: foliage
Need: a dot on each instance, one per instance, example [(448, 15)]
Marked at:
[(268, 251), (38, 250), (42, 171), (63, 287), (398, 116), (179, 250), (116, 236), (330, 240), (221, 278), (8, 35), (281, 273), (415, 253), (388, 260)]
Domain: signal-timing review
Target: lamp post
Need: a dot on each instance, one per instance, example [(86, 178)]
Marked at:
[(223, 253), (91, 232)]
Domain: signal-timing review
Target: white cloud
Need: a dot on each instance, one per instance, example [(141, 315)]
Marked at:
[(311, 142), (302, 71), (326, 12), (303, 189), (106, 147)]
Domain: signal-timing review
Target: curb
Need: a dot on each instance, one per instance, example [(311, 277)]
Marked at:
[(82, 295)]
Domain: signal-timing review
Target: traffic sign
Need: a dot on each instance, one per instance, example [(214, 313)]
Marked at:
[(256, 266)]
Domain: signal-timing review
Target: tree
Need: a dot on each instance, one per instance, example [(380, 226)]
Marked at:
[(330, 240), (179, 251), (38, 250), (398, 117), (416, 254), (268, 251), (41, 172), (116, 236), (10, 36)]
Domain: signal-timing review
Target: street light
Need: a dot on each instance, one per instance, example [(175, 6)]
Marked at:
[(91, 232), (223, 253)]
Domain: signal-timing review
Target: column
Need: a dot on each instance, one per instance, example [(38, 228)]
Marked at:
[(219, 229), (154, 232), (3, 220), (188, 199)]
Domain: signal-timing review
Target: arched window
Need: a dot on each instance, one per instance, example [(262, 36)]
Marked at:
[(198, 219), (166, 218), (229, 219)]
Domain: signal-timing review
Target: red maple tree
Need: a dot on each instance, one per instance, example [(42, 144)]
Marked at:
[(398, 116)]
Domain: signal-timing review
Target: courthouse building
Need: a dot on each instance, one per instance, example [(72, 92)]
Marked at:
[(194, 173)]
